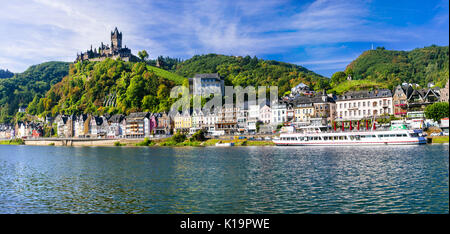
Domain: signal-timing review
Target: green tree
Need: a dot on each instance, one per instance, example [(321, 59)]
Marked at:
[(179, 137), (437, 111), (337, 78), (143, 55), (198, 136)]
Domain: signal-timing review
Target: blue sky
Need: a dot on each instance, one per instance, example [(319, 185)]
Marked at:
[(323, 36)]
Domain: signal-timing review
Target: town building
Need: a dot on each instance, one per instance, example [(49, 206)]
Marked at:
[(116, 126), (419, 99), (206, 84), (265, 114), (137, 124), (210, 120), (301, 89), (197, 121), (357, 105), (6, 131), (242, 117), (98, 127), (183, 121), (253, 117), (400, 99), (165, 124), (81, 125), (227, 119), (279, 113)]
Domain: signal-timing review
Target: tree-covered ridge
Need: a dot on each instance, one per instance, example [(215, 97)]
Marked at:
[(246, 71), (109, 86), (20, 89), (421, 66), (5, 74)]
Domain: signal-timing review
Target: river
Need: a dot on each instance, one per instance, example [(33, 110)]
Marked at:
[(365, 179)]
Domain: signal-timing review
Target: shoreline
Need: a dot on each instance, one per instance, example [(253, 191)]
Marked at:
[(137, 142)]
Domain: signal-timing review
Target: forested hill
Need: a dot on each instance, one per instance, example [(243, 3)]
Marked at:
[(245, 71), (421, 66), (20, 89), (5, 74), (109, 86)]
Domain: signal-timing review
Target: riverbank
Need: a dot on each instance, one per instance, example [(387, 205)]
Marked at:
[(440, 139), (16, 141), (171, 142)]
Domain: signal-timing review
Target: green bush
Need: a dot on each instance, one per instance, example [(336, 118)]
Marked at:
[(145, 142), (179, 137), (198, 136), (437, 111)]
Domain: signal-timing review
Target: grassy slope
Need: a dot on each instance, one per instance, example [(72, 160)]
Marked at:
[(166, 74), (355, 85)]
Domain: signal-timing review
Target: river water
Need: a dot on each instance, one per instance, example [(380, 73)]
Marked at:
[(380, 179)]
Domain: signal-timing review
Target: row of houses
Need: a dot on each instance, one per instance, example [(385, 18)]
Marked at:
[(21, 129), (304, 108), (138, 124)]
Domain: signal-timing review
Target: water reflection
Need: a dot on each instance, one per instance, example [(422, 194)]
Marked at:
[(393, 179)]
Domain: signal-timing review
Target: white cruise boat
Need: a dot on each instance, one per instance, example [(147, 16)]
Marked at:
[(351, 138)]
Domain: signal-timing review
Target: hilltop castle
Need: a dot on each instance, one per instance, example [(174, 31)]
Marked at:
[(105, 51)]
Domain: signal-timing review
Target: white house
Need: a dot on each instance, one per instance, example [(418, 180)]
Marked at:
[(279, 113), (265, 114), (364, 104)]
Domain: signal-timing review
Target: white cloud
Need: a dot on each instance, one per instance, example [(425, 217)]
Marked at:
[(39, 30)]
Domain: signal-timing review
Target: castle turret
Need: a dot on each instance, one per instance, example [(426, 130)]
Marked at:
[(116, 39)]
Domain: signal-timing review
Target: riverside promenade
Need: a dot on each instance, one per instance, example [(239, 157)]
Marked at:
[(81, 141)]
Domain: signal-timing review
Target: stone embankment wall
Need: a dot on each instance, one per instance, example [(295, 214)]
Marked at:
[(81, 142)]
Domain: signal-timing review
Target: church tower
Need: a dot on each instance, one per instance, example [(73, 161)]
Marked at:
[(116, 39)]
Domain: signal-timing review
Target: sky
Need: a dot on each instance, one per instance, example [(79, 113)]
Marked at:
[(323, 36)]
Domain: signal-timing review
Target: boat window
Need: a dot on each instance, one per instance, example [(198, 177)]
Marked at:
[(358, 137), (404, 134), (392, 135), (399, 135), (352, 137), (414, 134)]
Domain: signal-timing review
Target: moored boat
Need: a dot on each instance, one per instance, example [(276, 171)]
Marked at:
[(225, 144), (390, 137)]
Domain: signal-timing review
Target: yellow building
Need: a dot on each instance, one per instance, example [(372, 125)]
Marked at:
[(304, 112), (183, 122)]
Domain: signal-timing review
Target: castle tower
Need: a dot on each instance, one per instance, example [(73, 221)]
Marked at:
[(116, 39)]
